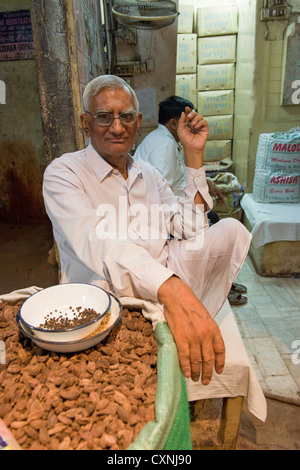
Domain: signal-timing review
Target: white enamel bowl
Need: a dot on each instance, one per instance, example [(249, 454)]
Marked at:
[(57, 300), (114, 315)]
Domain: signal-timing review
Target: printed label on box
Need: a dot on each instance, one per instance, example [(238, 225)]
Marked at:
[(215, 77), (270, 186), (217, 49), (217, 150), (214, 103), (220, 127), (279, 151), (213, 21), (186, 87), (185, 19), (186, 53)]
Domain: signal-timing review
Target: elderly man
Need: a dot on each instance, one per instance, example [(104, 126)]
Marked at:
[(118, 225)]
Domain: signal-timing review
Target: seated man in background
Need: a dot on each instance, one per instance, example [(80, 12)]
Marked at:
[(102, 205), (162, 149)]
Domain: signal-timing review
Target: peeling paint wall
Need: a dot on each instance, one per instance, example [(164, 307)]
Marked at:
[(89, 44), (40, 113), (89, 41), (58, 79), (21, 139)]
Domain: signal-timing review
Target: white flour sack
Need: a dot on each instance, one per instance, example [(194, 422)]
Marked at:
[(276, 186), (279, 151)]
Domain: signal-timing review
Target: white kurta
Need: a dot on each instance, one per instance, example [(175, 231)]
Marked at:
[(104, 229), (160, 149)]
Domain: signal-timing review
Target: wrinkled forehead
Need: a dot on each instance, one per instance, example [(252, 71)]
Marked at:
[(109, 97)]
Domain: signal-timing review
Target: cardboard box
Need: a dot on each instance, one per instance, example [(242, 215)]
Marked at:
[(215, 77), (186, 53), (214, 103), (186, 87), (217, 150), (217, 50), (212, 21), (220, 127), (185, 19)]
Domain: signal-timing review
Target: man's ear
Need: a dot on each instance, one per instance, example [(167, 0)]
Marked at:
[(172, 126), (173, 123), (85, 125), (139, 123)]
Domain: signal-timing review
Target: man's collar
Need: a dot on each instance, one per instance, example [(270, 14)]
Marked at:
[(167, 131), (102, 168), (164, 129)]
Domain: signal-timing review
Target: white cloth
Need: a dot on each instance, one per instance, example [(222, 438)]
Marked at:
[(238, 377), (160, 149), (271, 222), (19, 294)]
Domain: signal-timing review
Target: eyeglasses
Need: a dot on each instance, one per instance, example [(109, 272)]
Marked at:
[(106, 119)]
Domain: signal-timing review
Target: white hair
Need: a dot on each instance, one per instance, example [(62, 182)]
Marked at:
[(106, 81)]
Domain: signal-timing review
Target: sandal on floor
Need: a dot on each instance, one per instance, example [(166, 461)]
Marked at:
[(238, 288), (237, 299)]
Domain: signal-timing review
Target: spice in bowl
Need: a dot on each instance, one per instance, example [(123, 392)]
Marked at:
[(60, 322)]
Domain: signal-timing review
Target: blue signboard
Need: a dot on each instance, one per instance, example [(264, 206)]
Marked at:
[(16, 37)]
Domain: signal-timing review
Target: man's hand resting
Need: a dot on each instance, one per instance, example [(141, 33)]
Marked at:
[(198, 339)]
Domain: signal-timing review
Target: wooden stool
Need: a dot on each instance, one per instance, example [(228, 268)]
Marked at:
[(226, 425)]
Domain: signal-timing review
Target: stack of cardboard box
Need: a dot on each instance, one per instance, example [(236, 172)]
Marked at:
[(206, 55), (186, 73)]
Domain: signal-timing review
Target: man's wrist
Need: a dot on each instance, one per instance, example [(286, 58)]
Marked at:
[(166, 289), (194, 159)]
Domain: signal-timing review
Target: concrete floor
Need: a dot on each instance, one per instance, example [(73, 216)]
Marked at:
[(270, 327), (24, 254)]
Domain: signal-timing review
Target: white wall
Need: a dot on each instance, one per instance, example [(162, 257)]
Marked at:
[(270, 115), (152, 86)]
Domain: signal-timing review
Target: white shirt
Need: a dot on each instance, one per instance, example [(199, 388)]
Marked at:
[(87, 200), (163, 152)]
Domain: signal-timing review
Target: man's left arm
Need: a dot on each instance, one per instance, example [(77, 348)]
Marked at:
[(215, 191), (193, 132)]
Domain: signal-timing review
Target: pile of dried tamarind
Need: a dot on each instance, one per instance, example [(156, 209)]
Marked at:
[(98, 399)]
